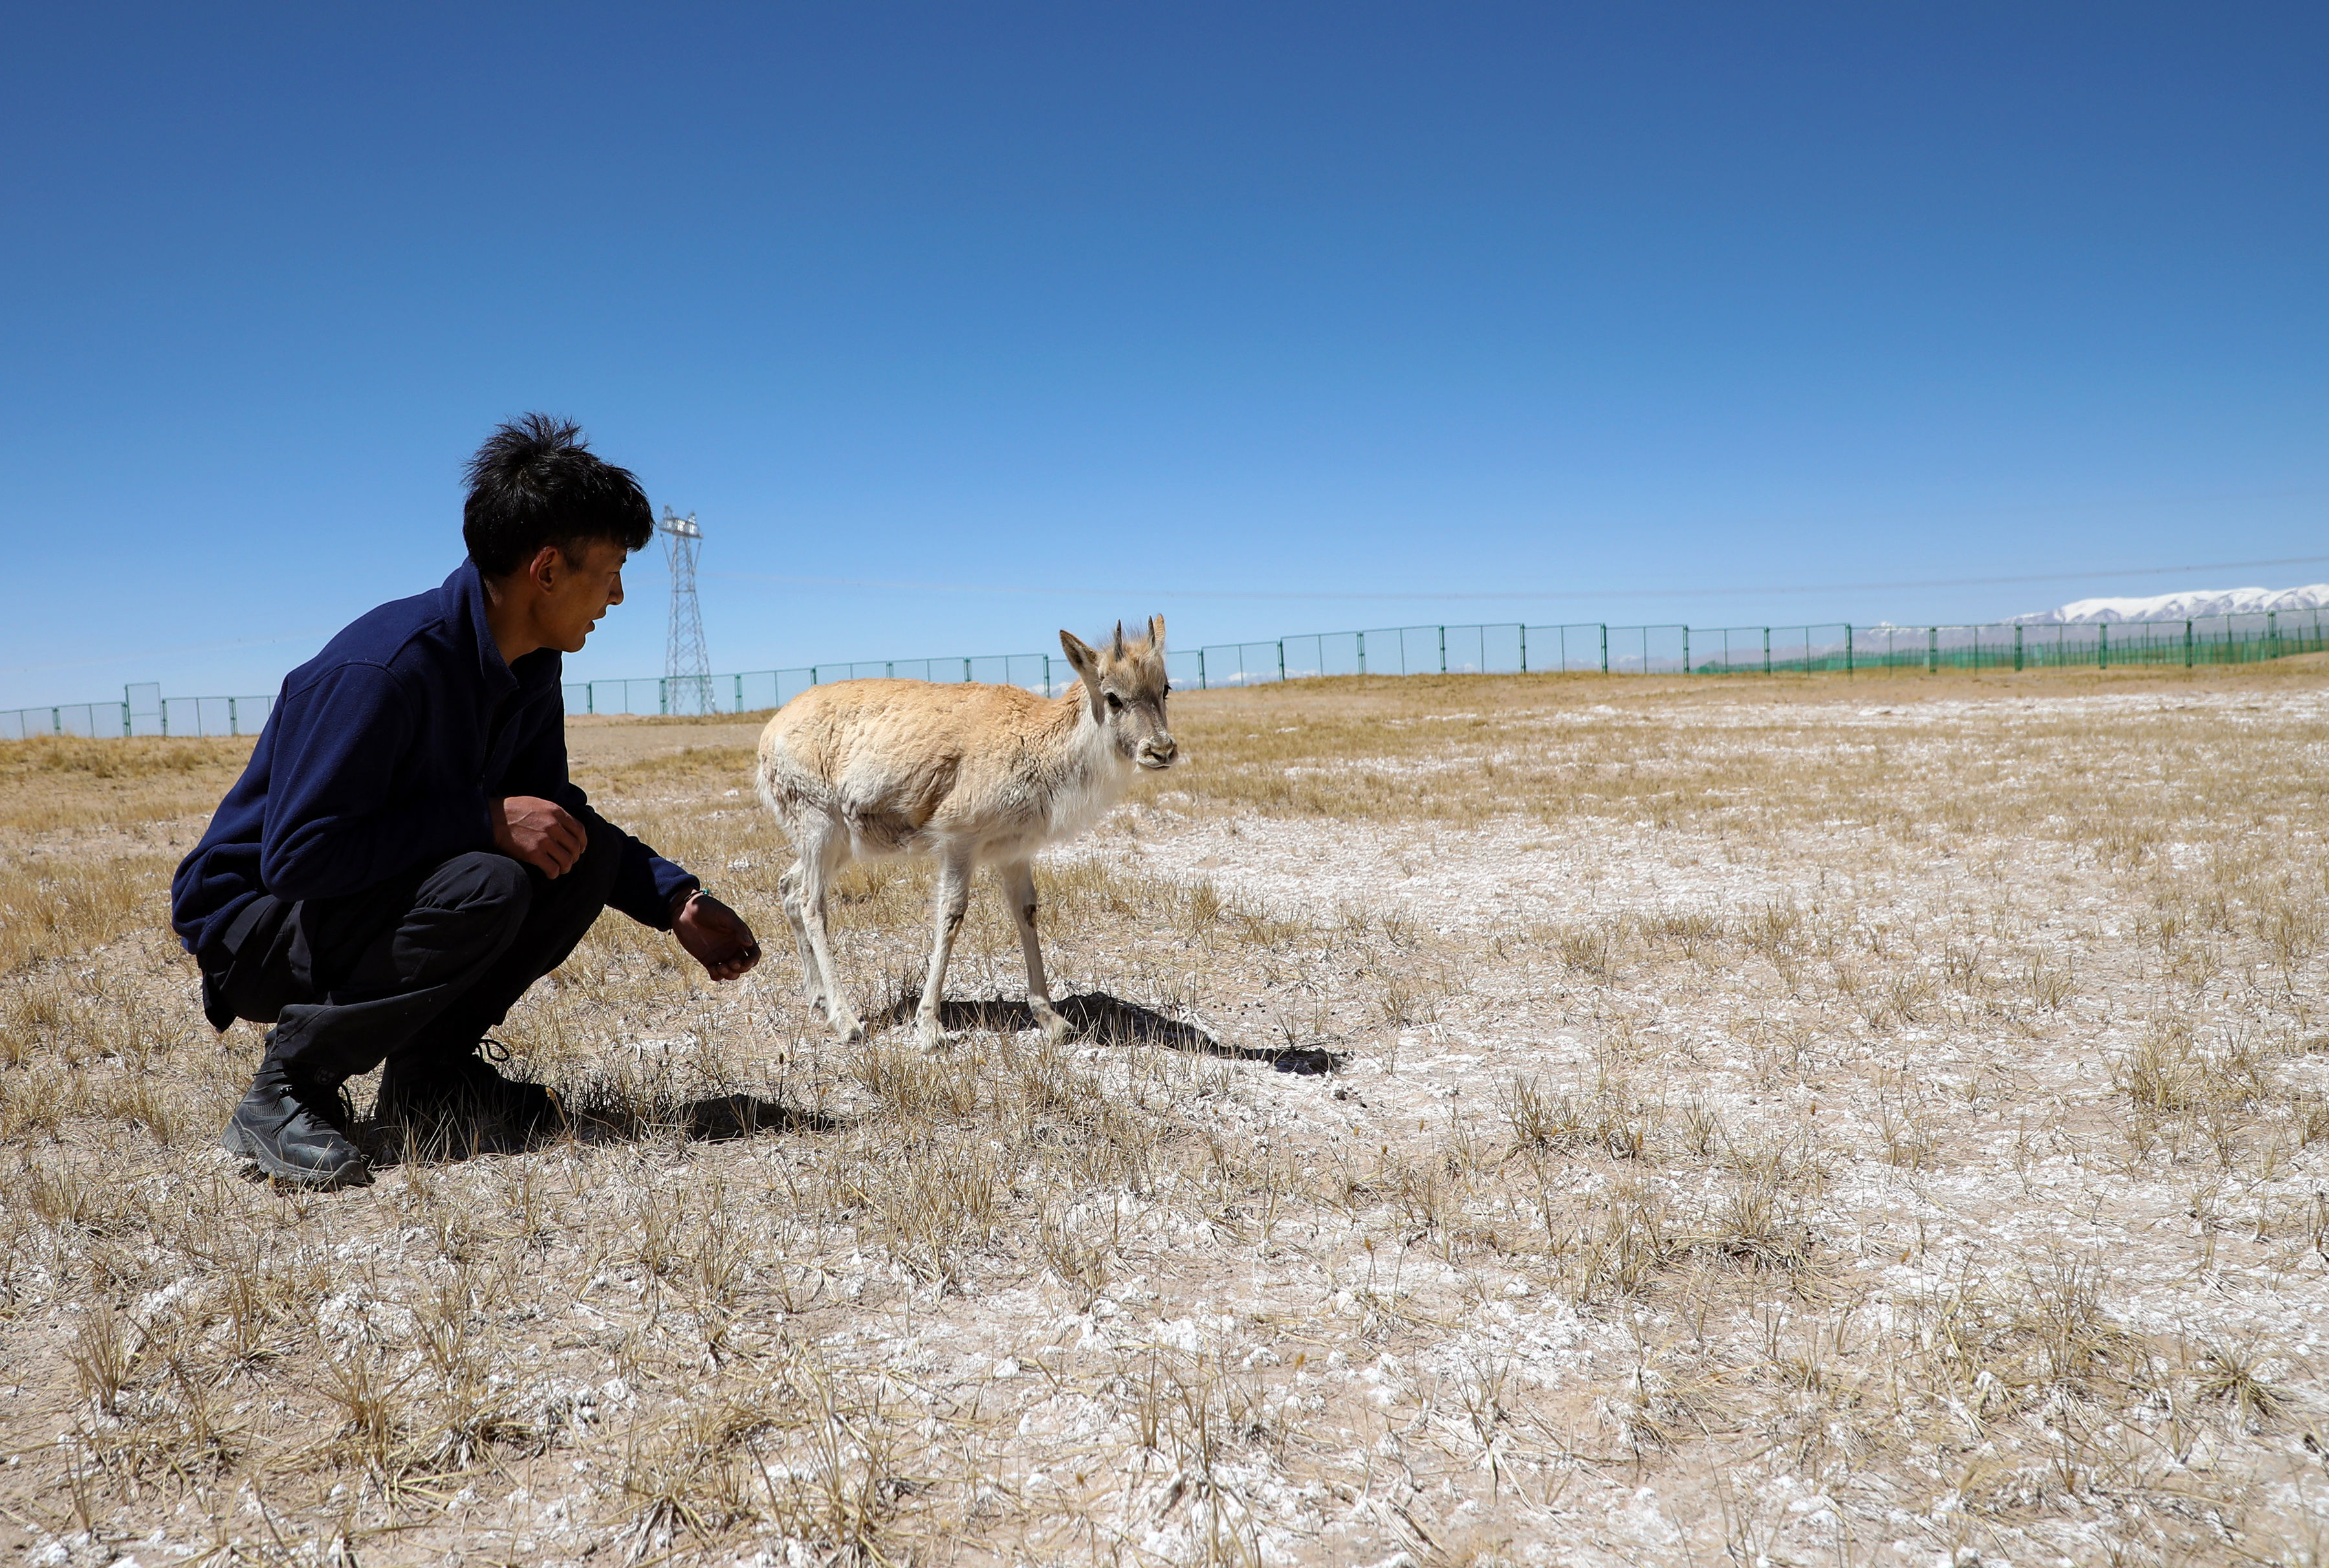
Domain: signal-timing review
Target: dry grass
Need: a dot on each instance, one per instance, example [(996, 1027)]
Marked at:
[(1773, 1121), (65, 781)]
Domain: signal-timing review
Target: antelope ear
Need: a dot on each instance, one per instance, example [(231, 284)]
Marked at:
[(1156, 633), (1081, 656), (1115, 648)]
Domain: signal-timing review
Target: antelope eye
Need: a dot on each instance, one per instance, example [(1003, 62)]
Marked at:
[(1115, 703)]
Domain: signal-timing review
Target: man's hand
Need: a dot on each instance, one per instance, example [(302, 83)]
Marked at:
[(542, 834), (713, 934)]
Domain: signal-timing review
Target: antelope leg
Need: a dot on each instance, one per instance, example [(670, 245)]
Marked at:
[(819, 863), (953, 898), (811, 978), (1018, 880)]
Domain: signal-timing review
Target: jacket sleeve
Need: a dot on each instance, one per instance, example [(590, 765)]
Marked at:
[(331, 822), (644, 882)]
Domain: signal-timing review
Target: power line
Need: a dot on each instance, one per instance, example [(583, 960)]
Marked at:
[(1411, 595)]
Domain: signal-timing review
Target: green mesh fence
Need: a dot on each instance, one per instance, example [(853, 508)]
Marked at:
[(1503, 648)]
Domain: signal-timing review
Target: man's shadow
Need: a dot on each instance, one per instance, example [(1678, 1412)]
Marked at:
[(715, 1119), (1108, 1020), (597, 1120)]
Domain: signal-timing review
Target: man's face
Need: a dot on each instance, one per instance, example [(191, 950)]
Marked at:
[(574, 597)]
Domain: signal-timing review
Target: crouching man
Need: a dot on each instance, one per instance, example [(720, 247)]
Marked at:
[(405, 855)]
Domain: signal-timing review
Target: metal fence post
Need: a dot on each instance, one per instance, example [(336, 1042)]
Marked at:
[(1766, 650), (2102, 645), (1362, 652), (1685, 650), (1200, 670), (1932, 650), (1605, 647), (2272, 634), (232, 727), (1281, 660), (2017, 646), (1847, 650), (1443, 650), (1524, 647), (2187, 645)]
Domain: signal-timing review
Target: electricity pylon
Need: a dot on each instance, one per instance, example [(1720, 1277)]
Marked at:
[(687, 667)]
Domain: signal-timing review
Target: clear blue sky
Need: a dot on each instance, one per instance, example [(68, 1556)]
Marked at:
[(1142, 306)]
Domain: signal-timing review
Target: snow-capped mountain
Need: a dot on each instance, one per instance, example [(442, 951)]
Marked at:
[(2191, 605)]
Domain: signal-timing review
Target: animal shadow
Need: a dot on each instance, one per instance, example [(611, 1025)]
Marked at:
[(1111, 1020)]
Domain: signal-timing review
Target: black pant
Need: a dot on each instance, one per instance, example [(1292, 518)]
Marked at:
[(418, 967)]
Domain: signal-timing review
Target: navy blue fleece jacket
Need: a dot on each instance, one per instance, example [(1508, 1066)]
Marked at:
[(380, 756)]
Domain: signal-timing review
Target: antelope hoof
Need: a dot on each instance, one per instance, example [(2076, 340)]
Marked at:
[(932, 1039), (846, 1027), (1056, 1029)]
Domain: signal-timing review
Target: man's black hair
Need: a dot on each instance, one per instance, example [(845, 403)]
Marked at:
[(535, 482)]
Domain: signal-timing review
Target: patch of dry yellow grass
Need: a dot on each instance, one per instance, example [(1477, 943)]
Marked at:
[(62, 782)]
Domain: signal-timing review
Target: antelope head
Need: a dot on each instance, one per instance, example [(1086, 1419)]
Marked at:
[(1125, 688)]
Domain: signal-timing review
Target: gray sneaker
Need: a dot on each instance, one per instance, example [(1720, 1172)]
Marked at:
[(296, 1132)]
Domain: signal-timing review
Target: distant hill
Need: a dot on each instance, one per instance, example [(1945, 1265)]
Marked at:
[(2191, 605)]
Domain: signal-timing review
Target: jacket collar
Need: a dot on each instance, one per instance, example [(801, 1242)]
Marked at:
[(462, 600)]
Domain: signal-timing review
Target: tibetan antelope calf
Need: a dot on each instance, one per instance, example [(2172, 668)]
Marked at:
[(970, 775)]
